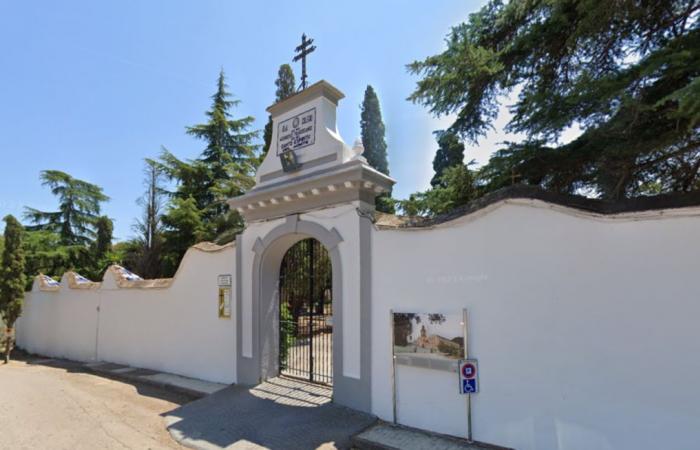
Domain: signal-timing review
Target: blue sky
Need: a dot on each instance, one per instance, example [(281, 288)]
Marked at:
[(92, 88)]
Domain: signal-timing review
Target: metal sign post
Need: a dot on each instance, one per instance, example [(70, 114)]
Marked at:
[(465, 319), (393, 364)]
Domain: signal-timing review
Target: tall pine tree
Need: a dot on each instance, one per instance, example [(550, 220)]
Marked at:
[(285, 88), (225, 169), (373, 131), (450, 153), (11, 279), (228, 164)]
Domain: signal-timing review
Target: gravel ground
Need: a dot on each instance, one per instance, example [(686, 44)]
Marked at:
[(57, 405)]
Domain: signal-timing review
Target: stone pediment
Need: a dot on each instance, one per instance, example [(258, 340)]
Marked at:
[(308, 165)]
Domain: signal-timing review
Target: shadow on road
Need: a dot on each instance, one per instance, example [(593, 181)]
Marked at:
[(145, 389), (277, 414)]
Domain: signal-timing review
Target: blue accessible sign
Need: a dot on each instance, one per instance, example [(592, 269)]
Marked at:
[(468, 381)]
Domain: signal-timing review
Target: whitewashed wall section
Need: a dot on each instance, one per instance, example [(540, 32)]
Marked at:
[(585, 327), (173, 328)]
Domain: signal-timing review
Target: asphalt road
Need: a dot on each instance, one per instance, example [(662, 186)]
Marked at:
[(52, 406)]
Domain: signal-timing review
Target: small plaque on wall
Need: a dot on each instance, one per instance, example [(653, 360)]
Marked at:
[(225, 280)]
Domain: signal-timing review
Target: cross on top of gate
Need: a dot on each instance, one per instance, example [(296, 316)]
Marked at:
[(302, 51)]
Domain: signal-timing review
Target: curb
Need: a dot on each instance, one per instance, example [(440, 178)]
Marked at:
[(159, 384), (362, 443)]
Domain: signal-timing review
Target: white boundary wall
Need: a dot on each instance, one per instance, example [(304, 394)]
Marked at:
[(585, 327), (174, 329)]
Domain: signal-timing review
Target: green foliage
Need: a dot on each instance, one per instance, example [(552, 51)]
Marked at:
[(75, 237), (285, 83), (183, 228), (46, 254), (225, 169), (373, 131), (287, 334), (103, 241), (101, 255), (228, 140), (627, 75), (456, 188), (79, 208), (373, 139), (450, 153), (12, 279)]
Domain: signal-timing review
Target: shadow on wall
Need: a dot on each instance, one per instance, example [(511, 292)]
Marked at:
[(278, 414)]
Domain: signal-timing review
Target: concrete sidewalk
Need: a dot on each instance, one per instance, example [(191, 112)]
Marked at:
[(185, 385)]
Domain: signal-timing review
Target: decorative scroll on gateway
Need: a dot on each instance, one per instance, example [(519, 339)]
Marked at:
[(296, 132)]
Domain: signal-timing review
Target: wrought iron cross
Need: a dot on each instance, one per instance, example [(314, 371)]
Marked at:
[(302, 50)]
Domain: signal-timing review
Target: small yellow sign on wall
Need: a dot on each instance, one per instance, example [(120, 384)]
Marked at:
[(225, 281), (224, 302)]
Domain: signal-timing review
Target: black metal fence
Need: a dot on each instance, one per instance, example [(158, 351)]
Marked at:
[(306, 312)]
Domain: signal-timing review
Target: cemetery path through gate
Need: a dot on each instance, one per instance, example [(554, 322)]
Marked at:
[(306, 312)]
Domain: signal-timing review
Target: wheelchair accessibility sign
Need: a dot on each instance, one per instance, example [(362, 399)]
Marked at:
[(468, 372)]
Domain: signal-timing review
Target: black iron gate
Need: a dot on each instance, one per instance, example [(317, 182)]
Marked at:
[(306, 312)]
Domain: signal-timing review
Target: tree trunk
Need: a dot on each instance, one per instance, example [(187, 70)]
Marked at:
[(8, 344)]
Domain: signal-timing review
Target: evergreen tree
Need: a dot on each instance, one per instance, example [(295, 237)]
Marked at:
[(99, 253), (183, 228), (46, 254), (12, 281), (455, 188), (372, 132), (450, 153), (103, 243), (285, 83), (627, 75), (231, 158), (192, 178), (79, 208)]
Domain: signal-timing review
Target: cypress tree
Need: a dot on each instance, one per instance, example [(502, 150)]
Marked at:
[(103, 242), (450, 153), (373, 131), (285, 83), (12, 279)]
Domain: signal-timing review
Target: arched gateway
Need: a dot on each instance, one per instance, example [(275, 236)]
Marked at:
[(306, 313), (303, 263)]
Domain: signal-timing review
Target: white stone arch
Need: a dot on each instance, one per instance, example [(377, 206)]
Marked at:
[(269, 251)]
